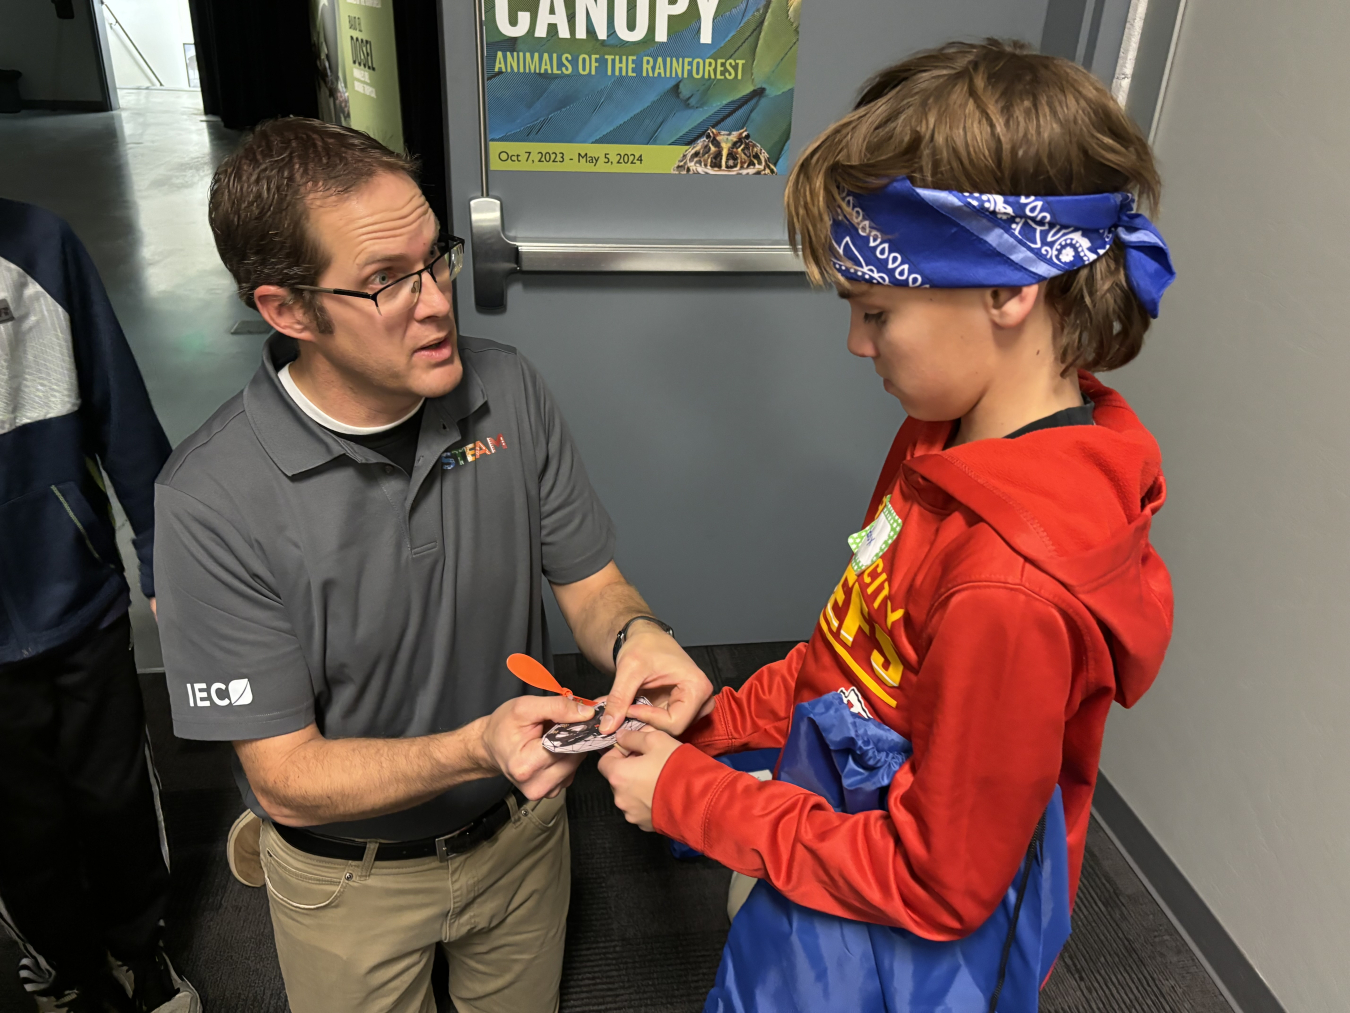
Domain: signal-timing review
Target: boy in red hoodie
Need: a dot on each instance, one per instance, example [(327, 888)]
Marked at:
[(976, 210)]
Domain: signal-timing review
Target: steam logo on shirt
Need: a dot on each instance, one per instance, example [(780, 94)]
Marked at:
[(471, 452), (236, 693)]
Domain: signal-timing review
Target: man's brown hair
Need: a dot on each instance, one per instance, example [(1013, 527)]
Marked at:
[(991, 117), (260, 198)]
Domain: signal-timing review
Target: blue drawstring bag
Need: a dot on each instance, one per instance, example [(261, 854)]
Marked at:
[(783, 957)]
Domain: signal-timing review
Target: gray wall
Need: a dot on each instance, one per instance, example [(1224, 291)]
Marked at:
[(59, 59), (1088, 31), (1237, 760)]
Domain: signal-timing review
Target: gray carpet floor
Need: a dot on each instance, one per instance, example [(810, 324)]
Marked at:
[(645, 931)]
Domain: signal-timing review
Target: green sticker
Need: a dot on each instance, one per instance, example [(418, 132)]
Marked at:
[(869, 543)]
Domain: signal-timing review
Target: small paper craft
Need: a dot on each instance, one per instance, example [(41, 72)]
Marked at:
[(585, 737)]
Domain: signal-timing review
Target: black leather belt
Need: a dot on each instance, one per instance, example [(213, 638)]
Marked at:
[(466, 838)]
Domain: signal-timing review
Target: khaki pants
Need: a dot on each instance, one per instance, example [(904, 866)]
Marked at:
[(360, 936)]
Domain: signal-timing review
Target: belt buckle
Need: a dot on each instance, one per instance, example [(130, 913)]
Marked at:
[(442, 851)]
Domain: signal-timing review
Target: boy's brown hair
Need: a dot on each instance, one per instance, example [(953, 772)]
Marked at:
[(990, 117), (260, 197)]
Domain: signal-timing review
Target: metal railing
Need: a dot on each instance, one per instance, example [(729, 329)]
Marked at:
[(117, 23)]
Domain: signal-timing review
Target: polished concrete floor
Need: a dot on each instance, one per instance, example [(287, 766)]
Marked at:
[(133, 184)]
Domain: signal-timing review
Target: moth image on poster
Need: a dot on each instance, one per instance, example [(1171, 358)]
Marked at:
[(334, 105), (700, 87)]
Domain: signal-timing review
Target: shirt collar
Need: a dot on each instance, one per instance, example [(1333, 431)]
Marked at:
[(327, 421), (296, 443)]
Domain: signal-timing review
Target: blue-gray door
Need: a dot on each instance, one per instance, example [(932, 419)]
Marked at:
[(729, 432)]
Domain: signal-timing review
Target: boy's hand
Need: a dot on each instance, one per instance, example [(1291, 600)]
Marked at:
[(632, 769), (652, 663)]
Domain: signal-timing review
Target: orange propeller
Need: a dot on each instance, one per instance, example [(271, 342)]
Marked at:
[(526, 669)]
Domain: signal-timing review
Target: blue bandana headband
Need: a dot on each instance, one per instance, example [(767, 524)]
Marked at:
[(905, 235)]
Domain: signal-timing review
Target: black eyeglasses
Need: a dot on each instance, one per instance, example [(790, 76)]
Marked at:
[(402, 294)]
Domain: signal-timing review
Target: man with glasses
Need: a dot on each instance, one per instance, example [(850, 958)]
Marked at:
[(346, 553)]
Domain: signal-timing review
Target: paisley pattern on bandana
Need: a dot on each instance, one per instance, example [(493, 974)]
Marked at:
[(909, 236), (1028, 220), (882, 264)]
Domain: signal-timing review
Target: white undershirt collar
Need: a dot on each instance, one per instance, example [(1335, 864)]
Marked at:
[(327, 421)]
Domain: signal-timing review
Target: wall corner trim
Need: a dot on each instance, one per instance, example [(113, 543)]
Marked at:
[(1240, 982), (1145, 60), (1129, 51)]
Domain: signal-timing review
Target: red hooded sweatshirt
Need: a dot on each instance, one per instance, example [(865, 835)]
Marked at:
[(1018, 598)]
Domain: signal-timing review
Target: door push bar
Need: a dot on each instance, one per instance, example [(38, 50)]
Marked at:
[(495, 257)]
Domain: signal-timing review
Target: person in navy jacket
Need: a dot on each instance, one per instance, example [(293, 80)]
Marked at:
[(83, 858)]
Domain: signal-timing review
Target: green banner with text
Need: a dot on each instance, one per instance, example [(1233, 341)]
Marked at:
[(357, 67)]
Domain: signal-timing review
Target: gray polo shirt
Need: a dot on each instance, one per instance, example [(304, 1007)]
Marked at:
[(303, 578)]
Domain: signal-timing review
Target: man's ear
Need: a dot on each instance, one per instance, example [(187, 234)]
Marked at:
[(1009, 307), (283, 312)]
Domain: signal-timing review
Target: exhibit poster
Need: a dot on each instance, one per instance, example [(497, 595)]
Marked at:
[(356, 65), (683, 86)]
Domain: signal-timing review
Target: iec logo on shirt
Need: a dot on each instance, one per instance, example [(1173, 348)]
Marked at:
[(471, 452), (237, 694)]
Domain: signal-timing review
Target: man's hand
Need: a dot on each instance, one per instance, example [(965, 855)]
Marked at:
[(154, 609), (513, 743), (303, 779), (596, 608), (651, 660), (632, 770)]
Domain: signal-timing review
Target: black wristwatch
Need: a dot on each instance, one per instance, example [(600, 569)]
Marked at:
[(623, 633)]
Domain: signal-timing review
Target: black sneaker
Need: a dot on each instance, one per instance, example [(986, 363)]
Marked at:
[(56, 997), (60, 996), (155, 986)]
